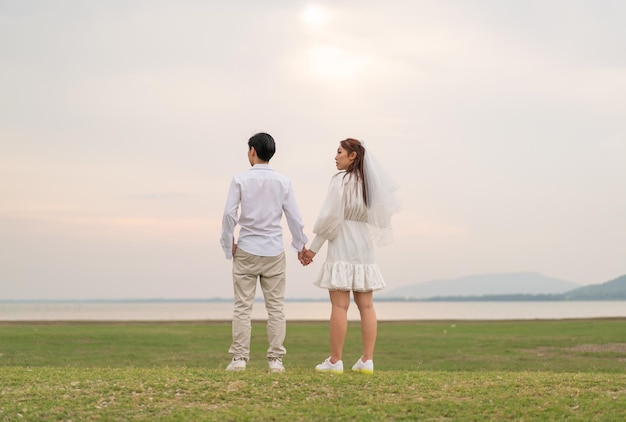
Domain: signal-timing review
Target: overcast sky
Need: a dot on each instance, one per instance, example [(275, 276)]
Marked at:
[(122, 123)]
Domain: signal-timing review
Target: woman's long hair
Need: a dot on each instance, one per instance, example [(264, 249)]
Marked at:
[(354, 145)]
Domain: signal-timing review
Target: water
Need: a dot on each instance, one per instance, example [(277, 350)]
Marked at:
[(309, 311)]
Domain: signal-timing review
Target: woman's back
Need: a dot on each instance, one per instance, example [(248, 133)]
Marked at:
[(354, 206)]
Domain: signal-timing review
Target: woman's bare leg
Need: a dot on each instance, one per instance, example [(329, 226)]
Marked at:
[(340, 301), (369, 323)]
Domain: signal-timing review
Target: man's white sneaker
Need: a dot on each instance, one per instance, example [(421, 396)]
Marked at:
[(366, 367), (276, 365), (333, 368), (237, 364)]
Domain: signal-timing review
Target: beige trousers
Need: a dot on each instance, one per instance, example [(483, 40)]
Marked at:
[(270, 272)]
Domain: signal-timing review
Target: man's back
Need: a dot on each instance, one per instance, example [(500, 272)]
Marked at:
[(263, 192)]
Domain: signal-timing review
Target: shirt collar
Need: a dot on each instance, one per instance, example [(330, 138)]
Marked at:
[(261, 167)]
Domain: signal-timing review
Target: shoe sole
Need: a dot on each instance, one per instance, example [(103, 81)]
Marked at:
[(364, 371), (330, 371), (277, 371), (235, 369)]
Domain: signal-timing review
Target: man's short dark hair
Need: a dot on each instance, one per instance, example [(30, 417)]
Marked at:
[(264, 145)]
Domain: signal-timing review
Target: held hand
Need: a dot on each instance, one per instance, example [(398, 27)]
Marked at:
[(301, 255), (307, 256)]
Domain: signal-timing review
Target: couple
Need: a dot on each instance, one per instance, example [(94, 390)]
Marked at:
[(356, 214)]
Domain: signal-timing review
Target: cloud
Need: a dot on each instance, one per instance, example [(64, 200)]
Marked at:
[(411, 225), (159, 196)]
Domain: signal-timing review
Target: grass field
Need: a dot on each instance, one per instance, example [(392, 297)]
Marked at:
[(521, 370)]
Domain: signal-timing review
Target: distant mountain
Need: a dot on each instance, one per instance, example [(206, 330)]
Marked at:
[(524, 283), (614, 289)]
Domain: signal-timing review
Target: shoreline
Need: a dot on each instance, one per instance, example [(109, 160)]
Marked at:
[(6, 323), (311, 311)]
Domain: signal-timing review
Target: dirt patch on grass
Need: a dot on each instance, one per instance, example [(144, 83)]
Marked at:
[(599, 348), (582, 348)]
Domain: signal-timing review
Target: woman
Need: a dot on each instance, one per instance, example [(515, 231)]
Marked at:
[(359, 204)]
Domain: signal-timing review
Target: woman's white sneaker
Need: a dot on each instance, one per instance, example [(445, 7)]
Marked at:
[(333, 368), (366, 367)]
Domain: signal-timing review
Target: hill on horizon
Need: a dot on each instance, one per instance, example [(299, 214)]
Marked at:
[(609, 290), (528, 283)]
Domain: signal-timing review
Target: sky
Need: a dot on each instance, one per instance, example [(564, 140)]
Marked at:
[(123, 122)]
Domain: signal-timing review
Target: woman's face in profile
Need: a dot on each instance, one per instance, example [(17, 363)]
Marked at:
[(343, 159)]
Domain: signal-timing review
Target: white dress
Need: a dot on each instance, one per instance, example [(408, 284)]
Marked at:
[(350, 262)]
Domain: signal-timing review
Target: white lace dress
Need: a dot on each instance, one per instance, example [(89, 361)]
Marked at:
[(350, 262)]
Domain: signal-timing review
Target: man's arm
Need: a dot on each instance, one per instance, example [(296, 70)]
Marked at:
[(229, 220), (294, 220)]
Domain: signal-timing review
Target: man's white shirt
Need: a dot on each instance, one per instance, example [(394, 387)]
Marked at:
[(261, 195)]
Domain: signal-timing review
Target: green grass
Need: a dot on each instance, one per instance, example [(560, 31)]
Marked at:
[(523, 370)]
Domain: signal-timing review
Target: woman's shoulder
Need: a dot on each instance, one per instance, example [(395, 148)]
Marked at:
[(341, 178), (344, 176), (337, 181), (337, 178)]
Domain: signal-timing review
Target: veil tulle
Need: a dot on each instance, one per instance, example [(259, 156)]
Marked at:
[(383, 200)]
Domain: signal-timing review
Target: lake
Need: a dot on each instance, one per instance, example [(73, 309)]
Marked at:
[(309, 311)]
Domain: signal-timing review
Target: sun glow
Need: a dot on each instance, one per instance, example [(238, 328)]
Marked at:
[(329, 55), (314, 15)]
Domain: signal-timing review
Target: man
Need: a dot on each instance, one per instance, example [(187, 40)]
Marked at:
[(262, 196)]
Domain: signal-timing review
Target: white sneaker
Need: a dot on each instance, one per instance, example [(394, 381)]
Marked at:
[(276, 365), (366, 367), (237, 364), (333, 368)]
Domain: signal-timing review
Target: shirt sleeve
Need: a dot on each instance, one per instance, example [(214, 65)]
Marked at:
[(331, 215), (229, 220), (294, 220)]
